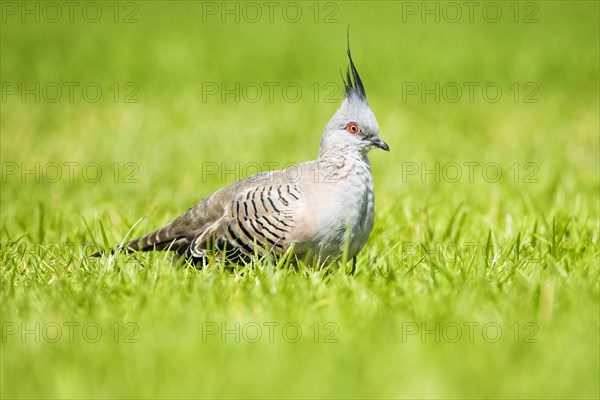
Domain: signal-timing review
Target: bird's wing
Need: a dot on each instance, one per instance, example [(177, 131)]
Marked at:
[(261, 209), (259, 219)]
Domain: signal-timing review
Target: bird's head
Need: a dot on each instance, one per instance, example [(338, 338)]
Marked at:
[(353, 127)]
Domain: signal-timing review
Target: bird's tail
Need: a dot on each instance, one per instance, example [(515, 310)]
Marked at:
[(161, 239)]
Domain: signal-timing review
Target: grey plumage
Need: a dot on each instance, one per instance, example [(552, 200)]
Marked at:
[(321, 208)]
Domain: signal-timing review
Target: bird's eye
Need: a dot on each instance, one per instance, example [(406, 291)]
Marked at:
[(353, 128)]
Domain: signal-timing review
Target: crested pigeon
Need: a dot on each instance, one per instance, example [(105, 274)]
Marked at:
[(319, 210)]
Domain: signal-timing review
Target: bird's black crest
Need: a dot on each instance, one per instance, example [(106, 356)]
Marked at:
[(353, 83)]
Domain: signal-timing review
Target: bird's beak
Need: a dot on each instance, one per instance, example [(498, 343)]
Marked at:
[(377, 142)]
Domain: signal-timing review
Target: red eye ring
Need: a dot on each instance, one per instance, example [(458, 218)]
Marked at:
[(353, 128)]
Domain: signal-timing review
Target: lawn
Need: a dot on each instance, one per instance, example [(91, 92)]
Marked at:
[(481, 276)]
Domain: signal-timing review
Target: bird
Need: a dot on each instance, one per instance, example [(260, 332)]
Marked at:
[(320, 210)]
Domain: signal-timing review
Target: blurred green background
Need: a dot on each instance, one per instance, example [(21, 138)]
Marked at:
[(178, 83)]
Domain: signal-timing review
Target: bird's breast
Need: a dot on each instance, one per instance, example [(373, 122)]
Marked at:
[(343, 210)]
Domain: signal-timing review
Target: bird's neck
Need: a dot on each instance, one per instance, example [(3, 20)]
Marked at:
[(341, 156), (337, 165)]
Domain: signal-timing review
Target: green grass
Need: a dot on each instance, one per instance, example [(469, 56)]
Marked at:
[(517, 255)]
